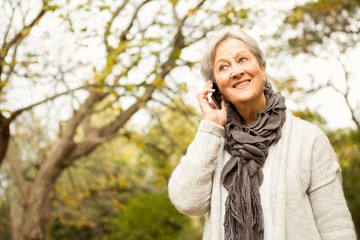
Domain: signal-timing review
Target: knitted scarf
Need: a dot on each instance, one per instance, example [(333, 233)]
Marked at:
[(242, 174)]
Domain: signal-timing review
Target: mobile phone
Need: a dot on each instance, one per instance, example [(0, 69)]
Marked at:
[(216, 96)]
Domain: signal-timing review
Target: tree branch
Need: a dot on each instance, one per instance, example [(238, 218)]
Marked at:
[(134, 16), (59, 158), (96, 136), (25, 31), (120, 121), (6, 34), (21, 110), (12, 63), (110, 22), (346, 95), (17, 39)]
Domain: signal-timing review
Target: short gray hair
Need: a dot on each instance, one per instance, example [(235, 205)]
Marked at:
[(207, 63)]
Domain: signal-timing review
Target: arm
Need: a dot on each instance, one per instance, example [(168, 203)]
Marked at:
[(330, 210), (191, 182)]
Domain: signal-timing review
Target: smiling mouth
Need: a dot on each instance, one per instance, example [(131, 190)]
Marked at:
[(242, 84)]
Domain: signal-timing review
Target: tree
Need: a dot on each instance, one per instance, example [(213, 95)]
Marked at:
[(329, 30), (93, 196), (133, 65)]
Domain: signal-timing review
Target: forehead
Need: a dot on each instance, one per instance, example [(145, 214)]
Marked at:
[(230, 46)]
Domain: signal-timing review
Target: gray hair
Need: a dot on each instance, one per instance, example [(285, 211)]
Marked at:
[(207, 63)]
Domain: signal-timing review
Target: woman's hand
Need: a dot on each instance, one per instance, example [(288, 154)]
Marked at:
[(208, 109)]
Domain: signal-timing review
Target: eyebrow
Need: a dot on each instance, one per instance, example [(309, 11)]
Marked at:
[(238, 53), (218, 61)]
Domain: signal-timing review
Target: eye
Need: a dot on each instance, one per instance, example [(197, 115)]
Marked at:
[(242, 59), (222, 67)]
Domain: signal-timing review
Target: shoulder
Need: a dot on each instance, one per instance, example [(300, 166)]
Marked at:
[(307, 138), (304, 130), (308, 143)]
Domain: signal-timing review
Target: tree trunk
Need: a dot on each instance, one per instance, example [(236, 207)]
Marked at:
[(16, 212), (34, 214)]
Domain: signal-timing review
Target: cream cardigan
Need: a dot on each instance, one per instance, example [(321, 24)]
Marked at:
[(307, 200)]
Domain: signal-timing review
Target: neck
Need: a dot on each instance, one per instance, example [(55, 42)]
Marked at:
[(250, 110)]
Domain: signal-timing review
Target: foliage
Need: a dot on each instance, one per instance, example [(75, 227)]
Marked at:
[(93, 191), (324, 20), (171, 130), (4, 223), (311, 116), (346, 143), (96, 189), (61, 231), (327, 30), (149, 217), (100, 186)]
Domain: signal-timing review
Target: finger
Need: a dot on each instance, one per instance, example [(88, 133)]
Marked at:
[(206, 90), (223, 105), (203, 95), (209, 86)]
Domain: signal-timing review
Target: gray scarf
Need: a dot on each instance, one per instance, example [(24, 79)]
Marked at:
[(242, 174)]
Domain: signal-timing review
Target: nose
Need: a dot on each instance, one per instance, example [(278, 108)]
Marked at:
[(237, 71)]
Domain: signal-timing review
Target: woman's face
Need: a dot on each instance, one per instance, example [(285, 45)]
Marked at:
[(238, 74)]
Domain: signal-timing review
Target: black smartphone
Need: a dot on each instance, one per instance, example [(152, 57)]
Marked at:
[(216, 96)]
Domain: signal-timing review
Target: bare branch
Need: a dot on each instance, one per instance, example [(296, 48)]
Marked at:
[(80, 114), (131, 23), (346, 94), (5, 122), (9, 27), (19, 111), (114, 126), (65, 84), (114, 15), (25, 31), (318, 88), (181, 108), (191, 11), (12, 63), (17, 39), (110, 22), (96, 136)]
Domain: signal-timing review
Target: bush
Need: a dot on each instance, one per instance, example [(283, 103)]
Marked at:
[(150, 216)]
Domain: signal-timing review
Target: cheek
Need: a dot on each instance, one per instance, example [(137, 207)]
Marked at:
[(220, 80), (260, 74)]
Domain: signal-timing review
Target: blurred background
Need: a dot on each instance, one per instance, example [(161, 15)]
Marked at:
[(97, 104)]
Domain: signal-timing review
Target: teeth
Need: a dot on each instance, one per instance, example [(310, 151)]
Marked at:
[(242, 84)]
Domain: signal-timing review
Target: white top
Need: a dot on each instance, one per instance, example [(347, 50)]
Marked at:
[(264, 195), (307, 200)]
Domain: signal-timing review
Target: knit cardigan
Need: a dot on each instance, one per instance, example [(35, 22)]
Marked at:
[(307, 200)]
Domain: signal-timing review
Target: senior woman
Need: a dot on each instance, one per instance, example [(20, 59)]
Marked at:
[(257, 171)]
